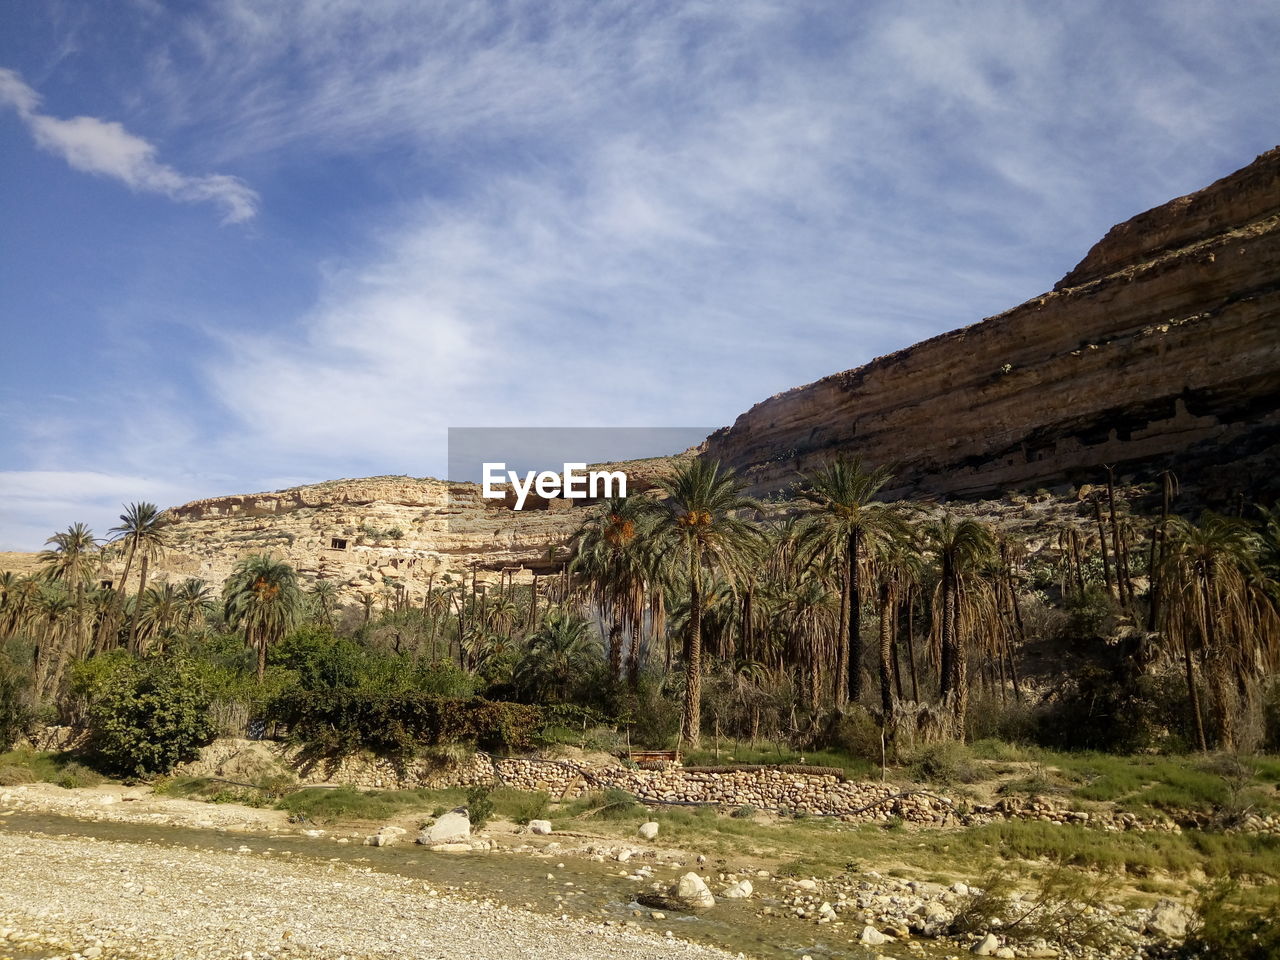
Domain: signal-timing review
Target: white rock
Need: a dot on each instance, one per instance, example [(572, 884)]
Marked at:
[(540, 827), (741, 890), (871, 937), (648, 830), (987, 946), (623, 856), (693, 888), (451, 827), (1168, 919)]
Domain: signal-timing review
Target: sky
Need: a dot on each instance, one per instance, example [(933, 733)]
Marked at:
[(245, 245)]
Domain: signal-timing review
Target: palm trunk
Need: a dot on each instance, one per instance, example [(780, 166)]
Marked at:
[(262, 655), (615, 647), (945, 628), (911, 643), (1194, 695), (886, 658), (137, 605), (840, 693), (1156, 557), (1102, 540), (693, 687), (855, 619)]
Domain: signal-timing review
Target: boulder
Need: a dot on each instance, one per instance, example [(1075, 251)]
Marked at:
[(871, 937), (986, 947), (541, 827), (1169, 920), (741, 890), (648, 831), (385, 836), (452, 827), (688, 895)]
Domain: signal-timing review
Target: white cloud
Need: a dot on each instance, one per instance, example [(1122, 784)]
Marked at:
[(612, 213), (105, 148), (36, 503)]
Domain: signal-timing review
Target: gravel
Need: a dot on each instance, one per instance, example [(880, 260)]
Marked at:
[(110, 899)]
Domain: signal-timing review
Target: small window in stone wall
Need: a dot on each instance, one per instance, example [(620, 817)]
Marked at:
[(337, 543)]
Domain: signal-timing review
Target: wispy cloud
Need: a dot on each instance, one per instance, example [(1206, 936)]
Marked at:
[(35, 503), (614, 213), (105, 148)]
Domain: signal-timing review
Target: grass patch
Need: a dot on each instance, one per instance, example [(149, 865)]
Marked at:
[(64, 769), (771, 753)]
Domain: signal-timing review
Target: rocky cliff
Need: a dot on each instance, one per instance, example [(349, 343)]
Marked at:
[(1162, 347), (379, 533)]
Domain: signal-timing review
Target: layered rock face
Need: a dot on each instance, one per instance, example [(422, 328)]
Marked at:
[(379, 534), (1162, 347), (365, 535)]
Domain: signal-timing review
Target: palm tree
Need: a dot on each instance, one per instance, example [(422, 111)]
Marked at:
[(195, 604), (74, 559), (843, 518), (71, 563), (141, 530), (323, 597), (52, 607), (899, 567), (612, 558), (159, 613), (962, 548), (697, 524), (262, 596), (560, 655), (1213, 588)]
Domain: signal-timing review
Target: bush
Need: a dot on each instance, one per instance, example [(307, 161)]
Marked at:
[(398, 725), (15, 709), (948, 763), (12, 774), (479, 805), (75, 775), (1232, 929), (856, 733), (144, 716)]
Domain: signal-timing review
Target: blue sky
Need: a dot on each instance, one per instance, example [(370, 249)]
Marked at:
[(250, 244)]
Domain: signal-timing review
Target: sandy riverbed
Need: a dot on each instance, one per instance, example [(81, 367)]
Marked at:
[(108, 899)]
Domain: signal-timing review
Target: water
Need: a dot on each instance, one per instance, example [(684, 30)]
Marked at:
[(581, 888)]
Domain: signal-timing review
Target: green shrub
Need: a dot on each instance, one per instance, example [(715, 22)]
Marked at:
[(1234, 927), (855, 733), (75, 775), (15, 708), (398, 725), (479, 805), (144, 716), (948, 763), (11, 774)]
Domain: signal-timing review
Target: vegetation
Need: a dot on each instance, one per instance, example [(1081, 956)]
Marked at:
[(694, 617)]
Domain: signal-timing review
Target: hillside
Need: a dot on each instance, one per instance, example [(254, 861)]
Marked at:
[(1162, 347)]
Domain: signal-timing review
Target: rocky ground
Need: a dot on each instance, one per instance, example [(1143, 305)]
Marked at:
[(83, 898), (72, 895)]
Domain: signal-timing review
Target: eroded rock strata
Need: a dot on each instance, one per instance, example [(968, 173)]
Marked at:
[(1161, 346)]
